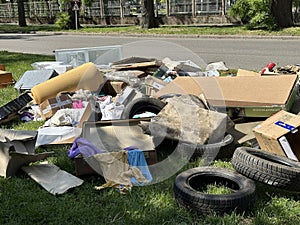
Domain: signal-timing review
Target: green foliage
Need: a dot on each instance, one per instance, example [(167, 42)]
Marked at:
[(255, 13), (63, 19)]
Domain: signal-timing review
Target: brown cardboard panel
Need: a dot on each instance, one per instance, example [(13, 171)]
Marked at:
[(280, 134), (52, 105), (236, 91), (242, 72)]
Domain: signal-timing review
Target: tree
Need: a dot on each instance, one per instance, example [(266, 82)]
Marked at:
[(149, 20), (281, 10), (266, 14), (21, 14)]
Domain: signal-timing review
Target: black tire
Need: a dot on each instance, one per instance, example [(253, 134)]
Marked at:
[(220, 150), (140, 105), (189, 185), (267, 168)]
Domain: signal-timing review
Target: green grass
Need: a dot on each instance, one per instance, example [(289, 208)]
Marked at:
[(162, 30), (23, 201)]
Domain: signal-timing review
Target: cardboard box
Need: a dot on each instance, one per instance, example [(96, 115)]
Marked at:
[(249, 96), (115, 135), (280, 134), (52, 105), (153, 85)]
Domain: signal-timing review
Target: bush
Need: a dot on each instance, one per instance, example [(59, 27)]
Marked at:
[(63, 19), (255, 13)]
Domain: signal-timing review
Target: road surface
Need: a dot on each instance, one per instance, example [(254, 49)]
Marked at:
[(245, 53)]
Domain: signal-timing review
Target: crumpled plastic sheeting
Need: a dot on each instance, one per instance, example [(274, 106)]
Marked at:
[(52, 178)]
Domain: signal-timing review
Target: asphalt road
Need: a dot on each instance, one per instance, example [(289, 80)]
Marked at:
[(241, 52)]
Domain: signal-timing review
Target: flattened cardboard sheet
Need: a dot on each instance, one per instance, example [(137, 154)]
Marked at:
[(235, 91), (52, 178), (116, 135)]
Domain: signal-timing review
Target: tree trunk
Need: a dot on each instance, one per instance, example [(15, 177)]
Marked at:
[(281, 10), (21, 14), (149, 20)]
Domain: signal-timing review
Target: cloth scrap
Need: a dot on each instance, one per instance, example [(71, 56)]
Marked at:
[(84, 147), (136, 158), (114, 167)]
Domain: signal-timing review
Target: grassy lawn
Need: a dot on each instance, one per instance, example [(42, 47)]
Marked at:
[(162, 30), (23, 201)]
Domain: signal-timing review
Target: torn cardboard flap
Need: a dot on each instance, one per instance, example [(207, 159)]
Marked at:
[(117, 135), (11, 160), (22, 140)]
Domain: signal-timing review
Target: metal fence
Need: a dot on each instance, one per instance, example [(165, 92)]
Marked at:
[(118, 8)]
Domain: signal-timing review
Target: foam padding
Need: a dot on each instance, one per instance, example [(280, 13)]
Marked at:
[(86, 77)]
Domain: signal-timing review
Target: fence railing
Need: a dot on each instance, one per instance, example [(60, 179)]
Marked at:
[(118, 8)]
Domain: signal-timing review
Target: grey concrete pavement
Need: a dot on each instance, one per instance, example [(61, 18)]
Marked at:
[(246, 53)]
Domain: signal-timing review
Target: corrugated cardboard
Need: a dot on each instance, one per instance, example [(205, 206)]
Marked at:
[(242, 72), (259, 96), (113, 136), (52, 105), (280, 134), (153, 85)]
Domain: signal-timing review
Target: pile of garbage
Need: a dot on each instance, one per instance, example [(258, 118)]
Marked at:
[(116, 116)]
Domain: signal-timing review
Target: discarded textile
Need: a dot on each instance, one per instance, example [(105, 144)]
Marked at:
[(115, 169), (84, 147), (136, 158)]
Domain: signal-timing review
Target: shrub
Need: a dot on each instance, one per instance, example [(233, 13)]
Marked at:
[(254, 13), (63, 19)]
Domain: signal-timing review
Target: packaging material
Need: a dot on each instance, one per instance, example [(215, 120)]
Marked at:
[(153, 85), (280, 134), (22, 140), (52, 178), (267, 95), (52, 105), (216, 66), (11, 159), (185, 66), (33, 77), (113, 87), (86, 77), (243, 132), (5, 78), (57, 135), (242, 72), (113, 136), (11, 109)]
